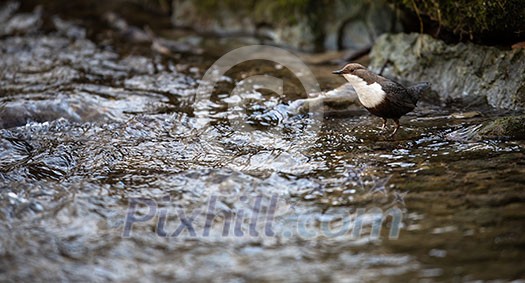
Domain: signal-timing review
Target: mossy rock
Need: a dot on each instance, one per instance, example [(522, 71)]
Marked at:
[(464, 74), (281, 10), (510, 127), (307, 25), (477, 20)]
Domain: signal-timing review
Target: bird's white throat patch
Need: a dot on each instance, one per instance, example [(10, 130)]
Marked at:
[(370, 95)]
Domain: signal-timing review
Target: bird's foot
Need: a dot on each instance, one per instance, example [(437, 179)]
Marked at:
[(393, 134), (396, 129), (383, 127)]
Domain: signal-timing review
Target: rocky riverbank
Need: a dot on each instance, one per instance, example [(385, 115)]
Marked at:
[(463, 74), (302, 25)]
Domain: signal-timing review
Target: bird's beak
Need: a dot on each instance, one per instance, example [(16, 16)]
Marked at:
[(338, 72)]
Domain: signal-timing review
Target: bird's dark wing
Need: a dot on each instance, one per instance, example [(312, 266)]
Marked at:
[(418, 89), (397, 94)]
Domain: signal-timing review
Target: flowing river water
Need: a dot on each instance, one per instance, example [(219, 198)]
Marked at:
[(110, 171)]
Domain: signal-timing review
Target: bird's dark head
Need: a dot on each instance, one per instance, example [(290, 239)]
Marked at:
[(349, 69)]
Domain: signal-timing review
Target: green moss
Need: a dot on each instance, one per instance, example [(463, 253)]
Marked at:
[(262, 10), (507, 127), (275, 12), (475, 19)]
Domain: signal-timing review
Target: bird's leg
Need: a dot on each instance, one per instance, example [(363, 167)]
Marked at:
[(384, 66), (397, 127), (384, 124)]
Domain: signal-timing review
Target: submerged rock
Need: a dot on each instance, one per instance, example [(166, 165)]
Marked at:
[(510, 127), (37, 109), (504, 128), (466, 74)]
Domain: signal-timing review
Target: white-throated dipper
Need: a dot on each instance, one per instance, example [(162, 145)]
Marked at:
[(380, 96)]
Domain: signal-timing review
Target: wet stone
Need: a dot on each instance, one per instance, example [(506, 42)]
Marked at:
[(511, 127)]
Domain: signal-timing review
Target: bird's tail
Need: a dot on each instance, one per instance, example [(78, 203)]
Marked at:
[(418, 89)]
